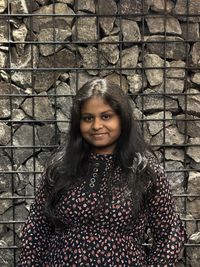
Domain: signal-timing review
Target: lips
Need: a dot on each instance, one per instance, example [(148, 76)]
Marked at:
[(99, 135)]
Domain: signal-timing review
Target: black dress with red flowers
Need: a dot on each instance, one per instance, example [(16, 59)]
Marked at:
[(99, 227)]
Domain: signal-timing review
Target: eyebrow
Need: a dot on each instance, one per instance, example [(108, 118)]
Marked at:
[(109, 110)]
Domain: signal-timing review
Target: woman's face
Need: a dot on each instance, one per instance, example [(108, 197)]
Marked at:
[(100, 126)]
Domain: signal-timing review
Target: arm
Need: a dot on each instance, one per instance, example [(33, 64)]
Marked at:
[(166, 227), (36, 232)]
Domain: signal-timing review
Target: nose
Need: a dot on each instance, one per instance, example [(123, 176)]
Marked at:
[(97, 124)]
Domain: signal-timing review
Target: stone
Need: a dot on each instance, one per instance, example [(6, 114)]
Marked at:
[(130, 31), (43, 80), (47, 135), (29, 59), (185, 10), (152, 101), (43, 109), (193, 207), (5, 178), (70, 2), (19, 35), (64, 102), (195, 78), (24, 136), (5, 133), (45, 2), (154, 75), (62, 121), (107, 8), (110, 48), (176, 178), (195, 55), (85, 29), (172, 137), (188, 125), (91, 59), (3, 59), (64, 77), (171, 87), (174, 154), (174, 48), (193, 102), (194, 183), (169, 25), (193, 151), (5, 203), (132, 8), (17, 115), (86, 5), (3, 5), (155, 121), (190, 31), (136, 82), (119, 80), (19, 7), (78, 79), (162, 5), (129, 60), (53, 35), (176, 69), (4, 34), (41, 22)]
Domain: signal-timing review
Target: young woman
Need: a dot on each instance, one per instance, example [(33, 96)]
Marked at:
[(100, 195)]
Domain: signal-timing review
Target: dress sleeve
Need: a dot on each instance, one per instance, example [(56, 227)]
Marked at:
[(35, 234), (166, 227)]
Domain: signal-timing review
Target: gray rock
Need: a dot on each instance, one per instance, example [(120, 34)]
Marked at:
[(5, 133), (188, 125), (132, 8), (24, 137), (107, 8), (43, 80), (136, 82), (85, 29), (86, 5), (6, 203), (62, 122), (53, 35), (5, 178), (174, 48), (193, 151), (3, 5), (42, 107), (195, 55), (190, 31), (173, 87), (151, 101), (154, 76), (196, 78), (110, 48), (64, 77), (41, 22), (176, 179), (120, 80), (172, 137), (47, 135), (192, 8), (156, 124), (4, 31), (169, 25), (19, 35), (162, 5), (130, 31), (29, 59), (193, 102), (19, 7), (194, 183), (91, 59), (176, 69), (129, 60), (3, 59), (17, 115), (65, 1), (78, 79), (45, 2), (174, 154)]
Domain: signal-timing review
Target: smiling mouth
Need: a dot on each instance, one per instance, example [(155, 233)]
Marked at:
[(96, 135)]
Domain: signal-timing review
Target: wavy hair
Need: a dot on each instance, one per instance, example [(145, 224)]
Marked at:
[(63, 173)]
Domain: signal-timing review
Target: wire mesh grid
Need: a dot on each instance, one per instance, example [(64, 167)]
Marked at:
[(48, 49)]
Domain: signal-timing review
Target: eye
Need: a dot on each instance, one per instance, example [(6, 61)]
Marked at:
[(87, 118), (106, 117)]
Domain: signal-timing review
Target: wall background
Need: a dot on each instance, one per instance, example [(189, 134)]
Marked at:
[(48, 49)]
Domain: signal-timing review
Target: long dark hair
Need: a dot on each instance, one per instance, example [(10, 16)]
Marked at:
[(63, 172)]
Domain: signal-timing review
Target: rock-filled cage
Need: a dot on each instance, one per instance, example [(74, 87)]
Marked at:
[(49, 48)]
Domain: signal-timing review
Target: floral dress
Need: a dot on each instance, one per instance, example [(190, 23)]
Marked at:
[(99, 227)]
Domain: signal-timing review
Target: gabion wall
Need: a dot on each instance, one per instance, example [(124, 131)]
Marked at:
[(48, 49)]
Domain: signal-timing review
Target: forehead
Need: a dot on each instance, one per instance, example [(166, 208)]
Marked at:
[(95, 104)]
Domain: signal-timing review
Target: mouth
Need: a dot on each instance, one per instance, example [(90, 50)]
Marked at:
[(99, 135)]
